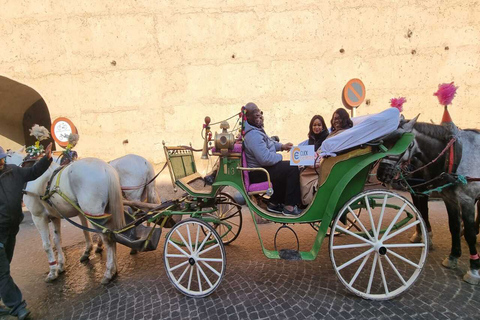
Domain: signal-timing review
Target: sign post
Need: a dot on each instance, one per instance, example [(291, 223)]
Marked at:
[(61, 129), (353, 94)]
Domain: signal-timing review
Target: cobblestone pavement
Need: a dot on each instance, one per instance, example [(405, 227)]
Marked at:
[(254, 287)]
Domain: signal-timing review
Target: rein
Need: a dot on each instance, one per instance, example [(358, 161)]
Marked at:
[(146, 184), (449, 145)]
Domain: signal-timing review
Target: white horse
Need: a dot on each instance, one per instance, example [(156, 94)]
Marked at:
[(94, 186), (135, 172)]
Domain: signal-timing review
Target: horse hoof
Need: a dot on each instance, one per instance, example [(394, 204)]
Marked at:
[(84, 258), (472, 277), (107, 280), (450, 263), (99, 249), (61, 268), (415, 238), (133, 251), (51, 278)]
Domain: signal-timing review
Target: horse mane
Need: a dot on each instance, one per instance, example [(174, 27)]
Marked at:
[(472, 130), (433, 130)]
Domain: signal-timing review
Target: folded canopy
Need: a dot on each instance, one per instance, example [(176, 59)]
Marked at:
[(365, 129)]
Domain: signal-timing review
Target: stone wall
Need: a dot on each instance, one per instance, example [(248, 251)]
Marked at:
[(149, 71)]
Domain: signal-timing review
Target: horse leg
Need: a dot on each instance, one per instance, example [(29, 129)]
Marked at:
[(421, 203), (88, 240), (477, 219), (57, 238), (454, 224), (41, 222), (99, 245), (111, 270), (468, 215)]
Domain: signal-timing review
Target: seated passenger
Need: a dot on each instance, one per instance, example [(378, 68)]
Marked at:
[(261, 151), (340, 122), (318, 131)]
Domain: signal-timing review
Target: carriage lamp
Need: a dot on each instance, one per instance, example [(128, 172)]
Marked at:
[(224, 141)]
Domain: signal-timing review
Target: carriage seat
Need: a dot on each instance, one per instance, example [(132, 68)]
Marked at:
[(253, 188)]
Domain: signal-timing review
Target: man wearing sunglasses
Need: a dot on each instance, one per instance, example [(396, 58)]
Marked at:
[(261, 151)]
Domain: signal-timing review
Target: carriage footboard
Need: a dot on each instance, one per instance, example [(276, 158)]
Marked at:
[(140, 238)]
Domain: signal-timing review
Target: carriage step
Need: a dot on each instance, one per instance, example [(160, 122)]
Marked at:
[(136, 238), (289, 254)]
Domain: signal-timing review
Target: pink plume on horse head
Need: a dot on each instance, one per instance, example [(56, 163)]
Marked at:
[(446, 92), (398, 103)]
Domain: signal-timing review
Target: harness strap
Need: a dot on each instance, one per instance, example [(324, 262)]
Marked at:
[(449, 144), (146, 184)]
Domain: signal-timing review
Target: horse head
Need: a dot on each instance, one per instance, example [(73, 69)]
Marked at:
[(389, 166)]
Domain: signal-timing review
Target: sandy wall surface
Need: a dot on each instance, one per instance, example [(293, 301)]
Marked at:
[(149, 71)]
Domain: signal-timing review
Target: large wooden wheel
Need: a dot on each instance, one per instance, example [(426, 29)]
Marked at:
[(374, 258), (195, 262)]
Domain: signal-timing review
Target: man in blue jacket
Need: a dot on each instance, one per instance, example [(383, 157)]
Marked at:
[(12, 180), (261, 151)]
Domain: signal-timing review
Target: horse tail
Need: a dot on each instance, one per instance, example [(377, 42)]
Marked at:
[(115, 203), (152, 194)]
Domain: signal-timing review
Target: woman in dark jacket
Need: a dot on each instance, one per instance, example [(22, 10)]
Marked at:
[(318, 131)]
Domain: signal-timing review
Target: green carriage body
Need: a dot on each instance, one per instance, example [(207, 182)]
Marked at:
[(345, 178)]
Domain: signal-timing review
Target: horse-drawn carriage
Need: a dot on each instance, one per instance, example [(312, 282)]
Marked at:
[(368, 243)]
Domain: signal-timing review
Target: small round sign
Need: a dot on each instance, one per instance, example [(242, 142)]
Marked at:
[(354, 93), (61, 129)]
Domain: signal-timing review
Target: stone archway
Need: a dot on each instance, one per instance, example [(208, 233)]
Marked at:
[(20, 108)]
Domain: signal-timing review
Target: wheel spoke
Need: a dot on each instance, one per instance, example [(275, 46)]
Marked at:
[(350, 246), (402, 258), (199, 280), (370, 216), (394, 221), (190, 278), (380, 220), (401, 230), (372, 273), (360, 268), (404, 245), (183, 239), (353, 234), (209, 248), (395, 270), (211, 268), (178, 248), (210, 259), (204, 275), (203, 242), (352, 224), (178, 266), (171, 255), (183, 273), (346, 264), (189, 238), (380, 266), (196, 240), (363, 227)]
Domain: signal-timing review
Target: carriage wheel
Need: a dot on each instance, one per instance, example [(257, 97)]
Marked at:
[(195, 262), (230, 212), (375, 259)]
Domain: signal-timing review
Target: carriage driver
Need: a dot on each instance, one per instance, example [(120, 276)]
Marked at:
[(261, 151), (12, 180)]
